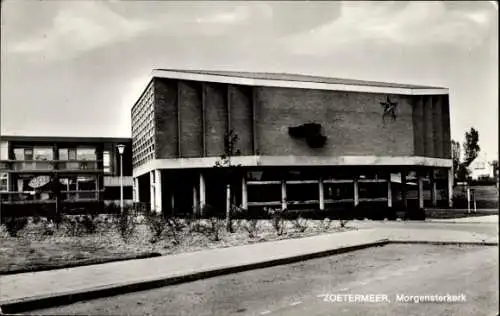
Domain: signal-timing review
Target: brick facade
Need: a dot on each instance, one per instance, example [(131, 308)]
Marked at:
[(191, 119)]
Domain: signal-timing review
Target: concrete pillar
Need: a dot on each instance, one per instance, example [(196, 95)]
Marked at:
[(403, 188), (203, 200), (195, 201), (283, 195), (389, 191), (158, 191), (152, 194), (135, 191), (420, 191), (321, 194), (228, 202), (356, 191), (450, 187), (433, 188), (244, 193)]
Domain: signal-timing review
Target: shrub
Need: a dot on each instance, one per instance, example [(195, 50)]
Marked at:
[(174, 225), (325, 224), (89, 224), (126, 224), (36, 219), (71, 225), (14, 224), (277, 219), (300, 224), (252, 227), (156, 224), (343, 222), (216, 227)]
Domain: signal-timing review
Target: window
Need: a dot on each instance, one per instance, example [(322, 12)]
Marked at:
[(43, 153), (28, 154), (19, 153), (106, 160), (63, 153), (72, 154), (86, 154), (3, 182)]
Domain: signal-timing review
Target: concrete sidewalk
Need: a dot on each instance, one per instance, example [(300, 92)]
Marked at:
[(39, 289), (472, 219)]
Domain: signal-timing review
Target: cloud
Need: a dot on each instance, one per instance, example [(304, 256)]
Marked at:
[(409, 24), (81, 26)]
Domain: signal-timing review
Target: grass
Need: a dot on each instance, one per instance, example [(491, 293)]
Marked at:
[(32, 251)]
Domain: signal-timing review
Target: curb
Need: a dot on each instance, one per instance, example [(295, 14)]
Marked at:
[(82, 263), (443, 243), (66, 298), (46, 301)]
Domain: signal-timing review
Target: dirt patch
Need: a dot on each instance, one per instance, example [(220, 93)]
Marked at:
[(33, 251)]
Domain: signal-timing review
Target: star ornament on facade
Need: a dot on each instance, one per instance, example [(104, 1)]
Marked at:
[(389, 109)]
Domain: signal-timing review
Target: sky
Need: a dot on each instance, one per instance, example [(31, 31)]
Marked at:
[(75, 68)]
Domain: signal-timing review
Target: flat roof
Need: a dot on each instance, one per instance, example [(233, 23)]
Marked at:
[(297, 81), (64, 139)]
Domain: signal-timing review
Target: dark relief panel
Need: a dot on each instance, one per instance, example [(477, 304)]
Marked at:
[(446, 127), (241, 117), (190, 119), (428, 127), (418, 125), (215, 118), (437, 105), (166, 128)]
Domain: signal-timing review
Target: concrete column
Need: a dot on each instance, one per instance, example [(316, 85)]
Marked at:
[(195, 200), (389, 191), (152, 194), (228, 201), (433, 188), (403, 188), (135, 191), (420, 191), (158, 191), (450, 187), (321, 194), (356, 191), (172, 202), (203, 200), (244, 193), (283, 195)]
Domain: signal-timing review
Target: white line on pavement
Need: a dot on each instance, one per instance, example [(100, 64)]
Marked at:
[(265, 312), (295, 303)]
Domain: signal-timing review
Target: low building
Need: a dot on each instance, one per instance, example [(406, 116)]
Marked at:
[(480, 168), (302, 142), (88, 170)]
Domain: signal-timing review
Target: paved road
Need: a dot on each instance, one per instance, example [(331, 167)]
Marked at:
[(298, 289)]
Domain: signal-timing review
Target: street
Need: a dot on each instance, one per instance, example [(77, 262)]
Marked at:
[(301, 288)]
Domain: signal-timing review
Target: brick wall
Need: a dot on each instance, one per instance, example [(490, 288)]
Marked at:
[(215, 118), (190, 119), (352, 122), (431, 123), (165, 117), (241, 117)]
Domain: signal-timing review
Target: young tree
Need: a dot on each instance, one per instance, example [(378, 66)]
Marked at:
[(230, 172), (455, 156), (471, 146)]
